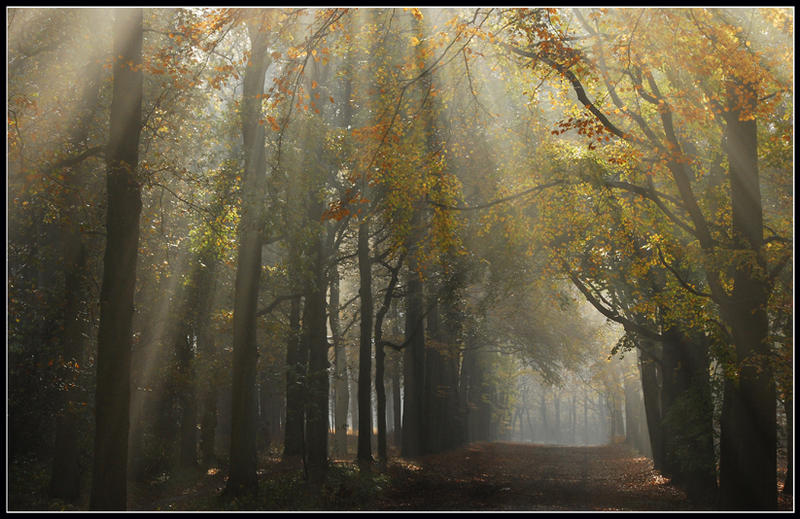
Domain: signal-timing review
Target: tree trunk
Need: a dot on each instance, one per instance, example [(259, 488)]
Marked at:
[(340, 385), (788, 482), (207, 350), (315, 333), (413, 360), (66, 470), (543, 411), (572, 420), (380, 360), (243, 479), (585, 417), (112, 401), (557, 416), (296, 362), (750, 482), (365, 347), (433, 412), (396, 399), (186, 398), (652, 406)]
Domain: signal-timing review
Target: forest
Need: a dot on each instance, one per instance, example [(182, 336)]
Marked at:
[(400, 259)]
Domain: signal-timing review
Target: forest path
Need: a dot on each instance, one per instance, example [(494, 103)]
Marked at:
[(478, 476), (522, 476)]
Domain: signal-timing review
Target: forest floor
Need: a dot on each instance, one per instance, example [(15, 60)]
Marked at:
[(479, 476)]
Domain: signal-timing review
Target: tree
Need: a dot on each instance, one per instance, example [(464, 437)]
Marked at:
[(243, 429), (112, 401)]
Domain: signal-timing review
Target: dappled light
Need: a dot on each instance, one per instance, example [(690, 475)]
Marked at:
[(401, 259)]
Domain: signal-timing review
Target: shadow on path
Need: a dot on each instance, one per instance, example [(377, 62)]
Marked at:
[(524, 476)]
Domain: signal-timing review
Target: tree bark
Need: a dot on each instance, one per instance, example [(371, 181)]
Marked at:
[(750, 482), (397, 406), (66, 470), (243, 479), (112, 401), (207, 350), (789, 481), (296, 362), (315, 337), (365, 347), (413, 362), (340, 374), (380, 360), (652, 406), (186, 399)]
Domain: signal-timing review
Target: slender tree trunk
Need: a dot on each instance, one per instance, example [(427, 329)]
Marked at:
[(585, 417), (353, 385), (365, 347), (572, 420), (380, 360), (208, 425), (266, 403), (186, 398), (557, 406), (789, 482), (543, 411), (243, 479), (66, 470), (295, 378), (207, 350), (340, 373), (396, 399), (630, 425), (112, 401)]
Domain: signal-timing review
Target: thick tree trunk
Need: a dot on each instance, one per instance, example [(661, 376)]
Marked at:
[(652, 406), (688, 416), (365, 347), (433, 413), (315, 333), (112, 401), (242, 479), (413, 362), (750, 482)]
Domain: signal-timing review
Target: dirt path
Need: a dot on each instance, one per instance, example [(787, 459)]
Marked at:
[(479, 476), (519, 476)]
